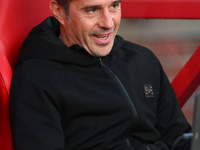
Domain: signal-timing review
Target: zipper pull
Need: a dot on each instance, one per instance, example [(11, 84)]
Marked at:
[(101, 63)]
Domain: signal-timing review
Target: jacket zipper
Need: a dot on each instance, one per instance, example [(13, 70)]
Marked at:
[(121, 85)]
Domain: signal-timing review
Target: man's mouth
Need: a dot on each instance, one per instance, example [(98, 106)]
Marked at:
[(103, 37)]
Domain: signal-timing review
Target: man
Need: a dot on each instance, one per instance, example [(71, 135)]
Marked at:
[(78, 86)]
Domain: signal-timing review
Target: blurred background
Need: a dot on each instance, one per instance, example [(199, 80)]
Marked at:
[(173, 41)]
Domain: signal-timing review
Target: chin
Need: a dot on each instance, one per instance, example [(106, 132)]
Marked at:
[(101, 50), (103, 53)]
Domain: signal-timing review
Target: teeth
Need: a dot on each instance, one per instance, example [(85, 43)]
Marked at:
[(103, 36)]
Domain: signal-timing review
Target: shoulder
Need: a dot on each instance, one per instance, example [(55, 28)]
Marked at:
[(136, 48), (138, 52), (37, 71)]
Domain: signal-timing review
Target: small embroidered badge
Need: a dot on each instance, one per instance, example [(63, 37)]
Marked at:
[(148, 90)]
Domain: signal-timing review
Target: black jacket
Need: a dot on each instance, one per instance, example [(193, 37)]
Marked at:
[(62, 98)]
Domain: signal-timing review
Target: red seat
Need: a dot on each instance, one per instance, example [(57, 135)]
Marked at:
[(16, 20), (5, 80)]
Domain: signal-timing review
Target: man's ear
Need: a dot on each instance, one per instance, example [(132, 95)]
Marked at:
[(57, 11)]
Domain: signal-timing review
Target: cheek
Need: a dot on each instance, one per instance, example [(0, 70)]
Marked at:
[(86, 31), (82, 26), (76, 29), (117, 19)]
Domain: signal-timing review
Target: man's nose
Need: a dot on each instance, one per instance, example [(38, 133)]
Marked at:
[(106, 20)]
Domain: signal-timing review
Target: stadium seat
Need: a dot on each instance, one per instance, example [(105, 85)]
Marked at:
[(16, 20)]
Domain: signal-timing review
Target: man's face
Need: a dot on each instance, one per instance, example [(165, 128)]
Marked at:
[(93, 24)]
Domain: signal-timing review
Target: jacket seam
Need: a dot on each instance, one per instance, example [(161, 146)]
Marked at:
[(58, 89)]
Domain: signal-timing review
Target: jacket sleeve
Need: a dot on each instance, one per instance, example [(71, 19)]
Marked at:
[(171, 122), (35, 119), (138, 145)]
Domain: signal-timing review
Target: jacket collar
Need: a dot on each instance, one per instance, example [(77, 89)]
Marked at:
[(43, 43)]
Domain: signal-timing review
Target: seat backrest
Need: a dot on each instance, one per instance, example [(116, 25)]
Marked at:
[(5, 80), (16, 20)]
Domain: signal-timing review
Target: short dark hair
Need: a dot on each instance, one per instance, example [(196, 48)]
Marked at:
[(65, 5)]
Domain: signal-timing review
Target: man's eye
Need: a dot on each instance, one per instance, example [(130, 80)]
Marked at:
[(115, 5), (92, 10)]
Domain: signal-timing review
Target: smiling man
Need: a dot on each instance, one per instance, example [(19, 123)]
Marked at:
[(90, 24), (79, 86)]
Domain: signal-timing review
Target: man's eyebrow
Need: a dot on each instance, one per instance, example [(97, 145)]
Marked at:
[(117, 1), (97, 6), (91, 6)]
